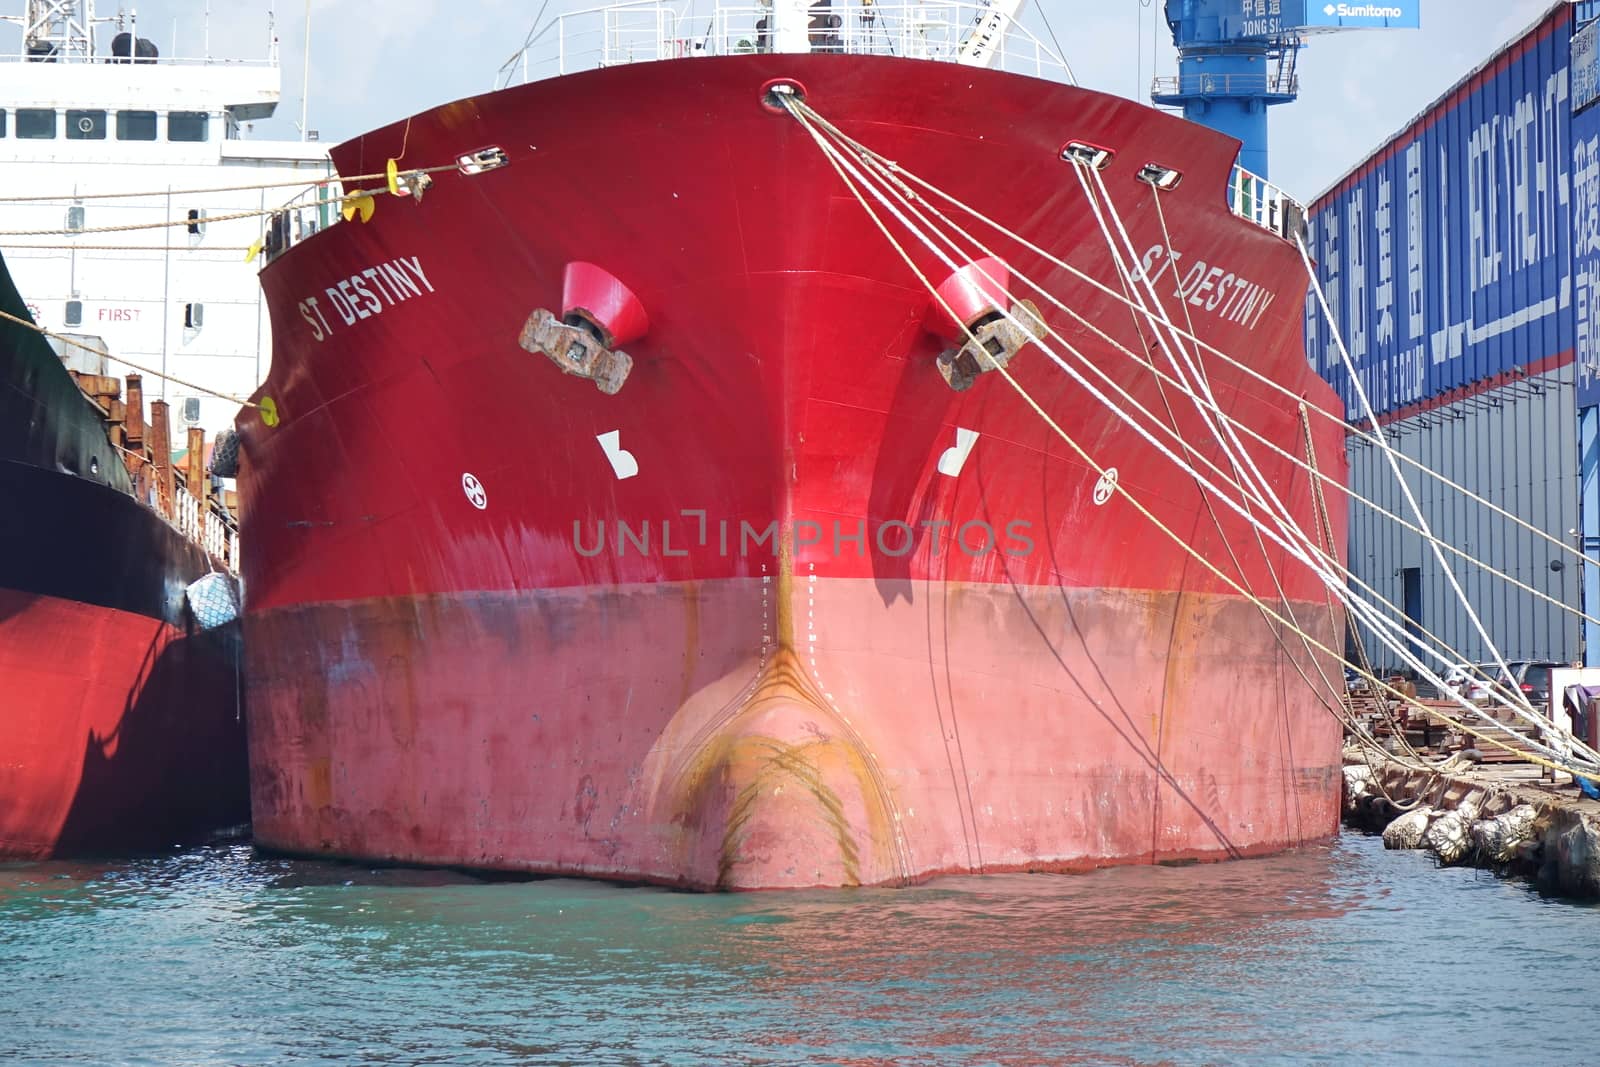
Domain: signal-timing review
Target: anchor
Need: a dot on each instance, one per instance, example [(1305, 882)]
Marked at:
[(995, 340), (598, 313), (578, 345)]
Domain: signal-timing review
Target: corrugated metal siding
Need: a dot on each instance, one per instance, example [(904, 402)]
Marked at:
[(1516, 446), (1447, 255), (1586, 236)]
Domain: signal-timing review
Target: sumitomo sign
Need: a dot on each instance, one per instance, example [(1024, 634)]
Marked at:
[(1275, 18), (1395, 14)]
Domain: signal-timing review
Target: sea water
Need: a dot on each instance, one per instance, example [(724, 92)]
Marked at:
[(1342, 953)]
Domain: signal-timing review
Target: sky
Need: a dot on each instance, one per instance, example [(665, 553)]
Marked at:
[(372, 64)]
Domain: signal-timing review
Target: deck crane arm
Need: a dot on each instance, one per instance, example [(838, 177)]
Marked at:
[(984, 44)]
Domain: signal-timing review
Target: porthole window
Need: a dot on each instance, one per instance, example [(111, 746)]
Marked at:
[(86, 125)]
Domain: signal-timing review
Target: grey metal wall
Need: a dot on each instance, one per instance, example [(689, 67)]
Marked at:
[(1516, 446)]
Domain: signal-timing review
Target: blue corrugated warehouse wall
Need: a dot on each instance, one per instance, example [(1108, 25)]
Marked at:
[(1450, 257), (1446, 255)]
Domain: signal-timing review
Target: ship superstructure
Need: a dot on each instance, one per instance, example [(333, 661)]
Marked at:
[(91, 110)]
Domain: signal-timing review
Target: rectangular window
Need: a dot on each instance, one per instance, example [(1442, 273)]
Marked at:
[(194, 316), (75, 218), (197, 220), (86, 125), (36, 123), (136, 125), (2, 122), (187, 125), (74, 315)]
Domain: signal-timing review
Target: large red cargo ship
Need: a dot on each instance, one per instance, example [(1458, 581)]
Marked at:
[(120, 721), (768, 602)]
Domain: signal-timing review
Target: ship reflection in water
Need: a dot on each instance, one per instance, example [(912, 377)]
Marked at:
[(1328, 954)]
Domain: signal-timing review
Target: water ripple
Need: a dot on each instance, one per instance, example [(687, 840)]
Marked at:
[(1327, 955)]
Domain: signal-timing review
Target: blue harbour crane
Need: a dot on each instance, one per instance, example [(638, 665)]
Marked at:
[(1236, 58)]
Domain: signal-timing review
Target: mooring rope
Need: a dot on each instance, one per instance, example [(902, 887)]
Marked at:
[(881, 167), (917, 206), (6, 315), (841, 165), (879, 161)]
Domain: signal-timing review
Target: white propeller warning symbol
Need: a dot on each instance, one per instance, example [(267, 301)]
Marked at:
[(477, 496), (1105, 486)]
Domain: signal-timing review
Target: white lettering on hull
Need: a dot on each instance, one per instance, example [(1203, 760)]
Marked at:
[(1216, 290), (365, 294)]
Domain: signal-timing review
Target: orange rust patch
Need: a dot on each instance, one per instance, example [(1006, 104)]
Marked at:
[(319, 784), (457, 114)]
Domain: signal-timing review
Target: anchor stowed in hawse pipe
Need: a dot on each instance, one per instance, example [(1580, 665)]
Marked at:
[(598, 313)]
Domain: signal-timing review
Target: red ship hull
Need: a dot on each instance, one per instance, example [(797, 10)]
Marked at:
[(455, 656), (108, 748), (120, 722)]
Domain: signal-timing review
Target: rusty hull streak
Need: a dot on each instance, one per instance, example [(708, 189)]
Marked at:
[(733, 755)]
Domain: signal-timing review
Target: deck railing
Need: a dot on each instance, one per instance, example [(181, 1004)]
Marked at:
[(217, 534), (647, 30), (1174, 85), (1254, 198), (310, 211)]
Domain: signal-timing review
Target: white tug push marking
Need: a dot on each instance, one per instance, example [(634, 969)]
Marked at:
[(955, 457), (622, 461)]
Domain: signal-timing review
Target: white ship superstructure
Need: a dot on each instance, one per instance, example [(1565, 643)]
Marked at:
[(89, 108)]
